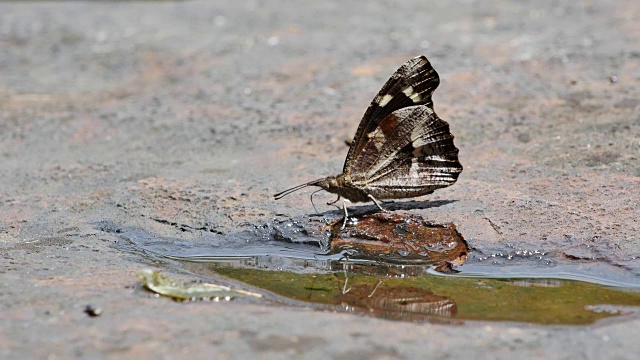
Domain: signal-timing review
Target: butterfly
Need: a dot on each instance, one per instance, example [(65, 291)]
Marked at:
[(401, 149)]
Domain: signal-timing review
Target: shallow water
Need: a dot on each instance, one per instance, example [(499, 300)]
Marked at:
[(294, 259), (413, 293)]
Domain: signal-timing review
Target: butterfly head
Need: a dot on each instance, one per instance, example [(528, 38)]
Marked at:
[(331, 184)]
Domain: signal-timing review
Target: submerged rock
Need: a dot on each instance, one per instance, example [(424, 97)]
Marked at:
[(400, 238)]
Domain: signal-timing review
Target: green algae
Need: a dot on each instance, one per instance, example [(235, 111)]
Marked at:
[(551, 302)]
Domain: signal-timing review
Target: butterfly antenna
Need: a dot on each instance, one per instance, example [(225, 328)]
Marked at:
[(282, 194)]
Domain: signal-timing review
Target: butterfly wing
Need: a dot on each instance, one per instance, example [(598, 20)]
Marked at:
[(410, 153), (412, 84)]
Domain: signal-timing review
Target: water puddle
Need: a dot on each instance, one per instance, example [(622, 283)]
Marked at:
[(399, 267), (411, 293)]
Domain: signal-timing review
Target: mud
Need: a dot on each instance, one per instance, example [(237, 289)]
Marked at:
[(181, 119)]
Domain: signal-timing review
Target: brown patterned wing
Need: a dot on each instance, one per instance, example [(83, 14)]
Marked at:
[(412, 84), (410, 153)]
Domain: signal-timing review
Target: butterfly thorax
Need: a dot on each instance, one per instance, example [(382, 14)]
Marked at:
[(342, 185)]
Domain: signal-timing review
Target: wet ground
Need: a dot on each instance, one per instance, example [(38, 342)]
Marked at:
[(143, 129)]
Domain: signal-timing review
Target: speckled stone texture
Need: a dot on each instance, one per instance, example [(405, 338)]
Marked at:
[(185, 117)]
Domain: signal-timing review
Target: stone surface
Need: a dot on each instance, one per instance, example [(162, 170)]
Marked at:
[(398, 238), (182, 118)]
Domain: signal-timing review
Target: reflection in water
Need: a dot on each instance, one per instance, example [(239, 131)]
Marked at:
[(554, 283), (407, 303)]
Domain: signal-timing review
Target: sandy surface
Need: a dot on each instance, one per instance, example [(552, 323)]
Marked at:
[(183, 118)]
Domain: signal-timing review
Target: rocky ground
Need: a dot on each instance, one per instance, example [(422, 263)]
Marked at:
[(183, 118)]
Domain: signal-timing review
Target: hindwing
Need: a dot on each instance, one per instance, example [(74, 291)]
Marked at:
[(412, 149)]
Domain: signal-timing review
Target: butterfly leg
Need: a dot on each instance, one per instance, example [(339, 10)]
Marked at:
[(333, 202), (346, 215), (377, 203)]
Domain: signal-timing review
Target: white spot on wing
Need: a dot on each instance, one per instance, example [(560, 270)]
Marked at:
[(384, 100), (414, 96), (413, 171), (420, 142), (378, 138), (436, 158)]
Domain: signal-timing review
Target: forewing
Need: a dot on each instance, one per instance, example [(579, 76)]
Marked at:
[(412, 148), (412, 84)]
